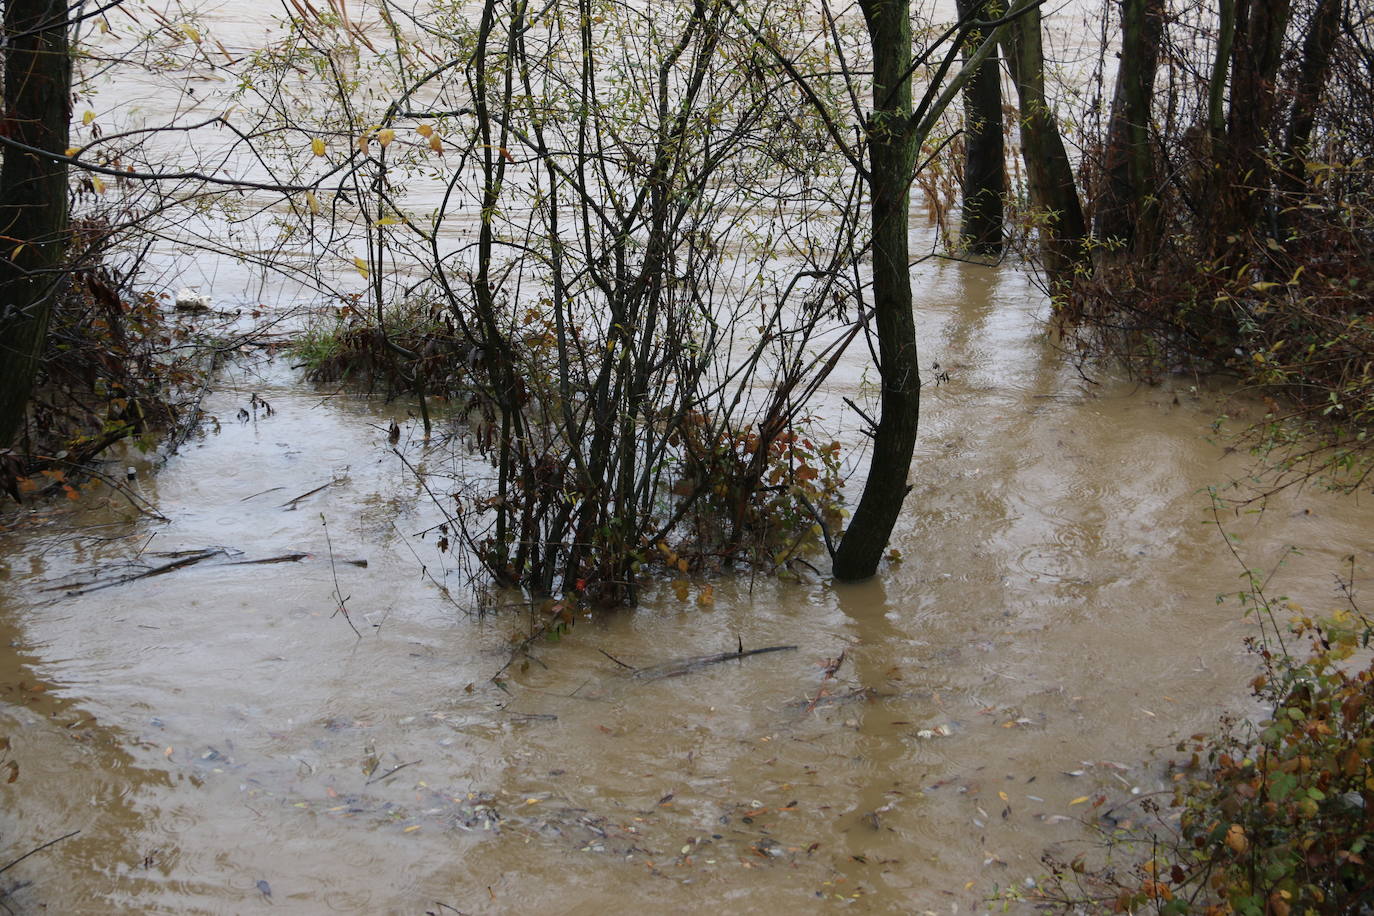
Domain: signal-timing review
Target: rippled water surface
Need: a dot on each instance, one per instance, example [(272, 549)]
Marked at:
[(216, 732), (225, 743)]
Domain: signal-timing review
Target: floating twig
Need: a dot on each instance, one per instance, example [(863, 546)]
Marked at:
[(180, 563), (390, 772), (338, 595), (617, 661), (262, 493), (832, 666), (284, 558), (39, 849), (291, 503), (696, 662)]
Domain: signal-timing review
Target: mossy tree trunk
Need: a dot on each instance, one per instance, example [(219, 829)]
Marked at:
[(33, 193)]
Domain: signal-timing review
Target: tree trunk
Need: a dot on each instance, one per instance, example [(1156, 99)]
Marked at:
[(1244, 172), (1312, 74), (1221, 65), (1053, 191), (33, 194), (1126, 211), (892, 158), (985, 176)]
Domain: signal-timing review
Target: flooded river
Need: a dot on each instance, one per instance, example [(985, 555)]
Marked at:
[(224, 743), (217, 739)]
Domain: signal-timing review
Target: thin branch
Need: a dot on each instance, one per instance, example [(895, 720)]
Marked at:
[(39, 849)]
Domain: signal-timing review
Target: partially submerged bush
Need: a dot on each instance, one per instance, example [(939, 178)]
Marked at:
[(1277, 814), (410, 343), (116, 367), (1274, 816)]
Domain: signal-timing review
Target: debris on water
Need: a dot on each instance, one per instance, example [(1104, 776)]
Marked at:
[(767, 846), (188, 300), (265, 888)]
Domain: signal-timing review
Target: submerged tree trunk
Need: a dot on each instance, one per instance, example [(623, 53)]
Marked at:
[(892, 157), (1126, 211), (985, 176), (33, 193), (1053, 191)]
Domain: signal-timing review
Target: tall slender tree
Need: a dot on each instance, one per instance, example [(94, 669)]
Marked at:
[(1053, 190), (892, 160), (985, 170)]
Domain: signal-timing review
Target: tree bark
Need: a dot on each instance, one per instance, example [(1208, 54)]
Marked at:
[(33, 194), (1126, 210), (985, 176), (1049, 173), (1312, 74), (1244, 173), (892, 158)]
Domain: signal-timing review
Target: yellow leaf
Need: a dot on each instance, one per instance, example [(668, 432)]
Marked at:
[(387, 221), (363, 143), (88, 117), (1236, 839), (1082, 799), (1003, 796), (317, 145), (680, 589), (72, 151), (190, 32), (425, 130), (362, 267), (97, 184), (436, 144), (707, 596), (411, 829), (312, 202), (384, 137)]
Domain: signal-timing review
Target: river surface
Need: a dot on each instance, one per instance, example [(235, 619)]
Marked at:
[(217, 732), (225, 742)]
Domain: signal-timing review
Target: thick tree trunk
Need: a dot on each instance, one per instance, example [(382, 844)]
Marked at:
[(33, 194), (1053, 191), (1312, 73), (892, 157), (1244, 173), (1125, 210), (985, 175)]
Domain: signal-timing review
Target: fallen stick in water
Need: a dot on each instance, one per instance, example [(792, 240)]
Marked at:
[(693, 663), (143, 574)]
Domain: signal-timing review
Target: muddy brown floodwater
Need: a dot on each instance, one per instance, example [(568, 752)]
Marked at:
[(225, 745)]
